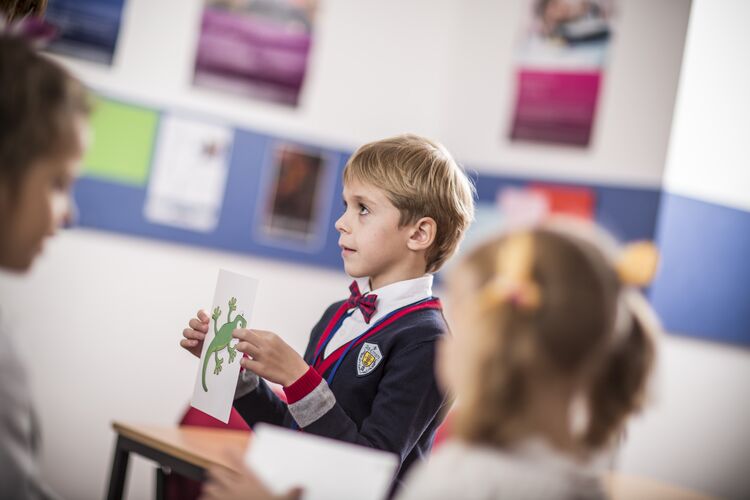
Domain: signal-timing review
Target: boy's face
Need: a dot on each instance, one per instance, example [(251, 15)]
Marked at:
[(40, 204), (372, 243)]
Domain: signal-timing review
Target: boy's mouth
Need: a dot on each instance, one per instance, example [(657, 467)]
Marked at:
[(345, 250)]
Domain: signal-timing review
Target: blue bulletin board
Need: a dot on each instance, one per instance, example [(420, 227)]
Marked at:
[(109, 204)]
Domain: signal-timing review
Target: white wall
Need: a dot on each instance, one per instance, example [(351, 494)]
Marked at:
[(708, 155), (437, 67), (376, 69), (695, 431), (113, 306), (98, 323), (698, 433), (635, 108)]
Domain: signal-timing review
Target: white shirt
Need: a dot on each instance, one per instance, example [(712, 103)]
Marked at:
[(390, 298), (472, 472)]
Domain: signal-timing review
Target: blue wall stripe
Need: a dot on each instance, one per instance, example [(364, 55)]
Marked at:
[(703, 285)]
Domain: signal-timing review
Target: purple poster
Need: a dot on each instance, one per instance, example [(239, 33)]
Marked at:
[(559, 70), (255, 48)]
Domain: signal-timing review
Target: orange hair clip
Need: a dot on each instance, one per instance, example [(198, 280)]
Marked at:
[(512, 282)]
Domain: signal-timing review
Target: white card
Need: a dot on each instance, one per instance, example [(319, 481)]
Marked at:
[(189, 176), (324, 468), (219, 367)]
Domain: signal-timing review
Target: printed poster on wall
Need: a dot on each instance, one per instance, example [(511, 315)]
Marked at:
[(560, 65), (255, 48), (86, 29)]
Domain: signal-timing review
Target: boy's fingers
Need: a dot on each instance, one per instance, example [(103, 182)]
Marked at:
[(189, 333), (294, 494), (222, 475), (243, 334), (211, 491), (235, 461), (247, 348), (196, 324), (203, 316), (251, 364), (187, 344)]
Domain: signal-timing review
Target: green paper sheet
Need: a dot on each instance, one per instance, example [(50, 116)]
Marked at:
[(123, 141)]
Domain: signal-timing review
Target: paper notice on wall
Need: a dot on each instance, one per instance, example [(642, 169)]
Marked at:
[(189, 174)]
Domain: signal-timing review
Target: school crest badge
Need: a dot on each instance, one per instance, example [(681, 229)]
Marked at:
[(369, 357)]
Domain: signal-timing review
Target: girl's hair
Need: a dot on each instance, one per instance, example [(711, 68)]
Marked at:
[(38, 102), (17, 9), (567, 318)]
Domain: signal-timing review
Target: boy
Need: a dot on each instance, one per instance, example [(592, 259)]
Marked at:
[(367, 375)]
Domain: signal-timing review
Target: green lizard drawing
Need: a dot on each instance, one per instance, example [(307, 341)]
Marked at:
[(222, 338)]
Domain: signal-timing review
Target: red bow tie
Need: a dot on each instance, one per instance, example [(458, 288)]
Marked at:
[(365, 303)]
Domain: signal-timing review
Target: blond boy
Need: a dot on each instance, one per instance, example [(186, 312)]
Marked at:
[(367, 375)]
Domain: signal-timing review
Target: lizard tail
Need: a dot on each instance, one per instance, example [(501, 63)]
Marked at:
[(205, 365)]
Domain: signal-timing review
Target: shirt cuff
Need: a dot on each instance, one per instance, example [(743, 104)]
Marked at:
[(247, 383), (302, 386)]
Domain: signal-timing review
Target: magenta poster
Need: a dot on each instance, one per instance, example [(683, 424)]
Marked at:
[(560, 65), (255, 48)]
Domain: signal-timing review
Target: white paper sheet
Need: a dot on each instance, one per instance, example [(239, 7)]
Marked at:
[(189, 176), (325, 469), (232, 308)]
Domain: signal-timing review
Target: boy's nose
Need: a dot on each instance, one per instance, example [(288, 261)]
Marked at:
[(340, 225)]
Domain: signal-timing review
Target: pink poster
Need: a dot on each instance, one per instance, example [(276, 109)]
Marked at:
[(559, 70), (255, 48)]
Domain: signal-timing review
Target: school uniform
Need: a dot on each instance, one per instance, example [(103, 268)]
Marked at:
[(372, 379)]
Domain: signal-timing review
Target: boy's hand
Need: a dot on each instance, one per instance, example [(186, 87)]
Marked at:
[(270, 357), (225, 484), (195, 333)]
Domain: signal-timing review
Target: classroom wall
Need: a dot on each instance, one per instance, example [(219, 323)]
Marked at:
[(117, 305), (633, 119), (707, 182), (703, 402)]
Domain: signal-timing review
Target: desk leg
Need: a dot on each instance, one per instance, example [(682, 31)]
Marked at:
[(161, 476), (119, 471)]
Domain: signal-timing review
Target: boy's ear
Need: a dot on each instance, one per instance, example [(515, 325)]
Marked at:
[(423, 234)]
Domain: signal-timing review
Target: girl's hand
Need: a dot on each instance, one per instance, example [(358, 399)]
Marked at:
[(270, 357), (195, 333), (226, 484)]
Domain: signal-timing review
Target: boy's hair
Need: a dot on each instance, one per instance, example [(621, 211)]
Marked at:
[(584, 328), (38, 102), (421, 179)]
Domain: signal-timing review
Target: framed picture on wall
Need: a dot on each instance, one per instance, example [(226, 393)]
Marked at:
[(295, 203)]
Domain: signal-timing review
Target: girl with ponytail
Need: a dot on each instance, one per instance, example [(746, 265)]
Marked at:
[(552, 351)]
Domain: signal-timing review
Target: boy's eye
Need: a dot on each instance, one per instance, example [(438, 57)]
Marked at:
[(363, 210)]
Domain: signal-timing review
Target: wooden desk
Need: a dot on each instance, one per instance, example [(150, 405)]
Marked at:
[(191, 450), (623, 487), (186, 450)]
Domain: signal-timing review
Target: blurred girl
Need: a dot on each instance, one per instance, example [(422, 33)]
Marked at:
[(43, 121)]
